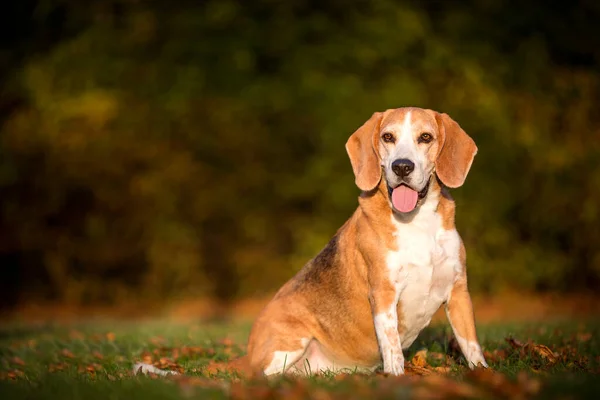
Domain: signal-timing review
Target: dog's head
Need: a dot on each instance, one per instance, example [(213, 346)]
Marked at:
[(409, 145)]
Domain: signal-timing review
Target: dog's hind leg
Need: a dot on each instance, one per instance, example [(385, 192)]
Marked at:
[(285, 361), (277, 341)]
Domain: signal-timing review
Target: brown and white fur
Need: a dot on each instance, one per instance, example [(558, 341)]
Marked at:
[(376, 285)]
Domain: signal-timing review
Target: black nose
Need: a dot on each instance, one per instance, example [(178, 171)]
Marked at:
[(403, 167)]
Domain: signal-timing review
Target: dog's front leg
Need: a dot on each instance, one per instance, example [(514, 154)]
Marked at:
[(384, 300), (459, 310)]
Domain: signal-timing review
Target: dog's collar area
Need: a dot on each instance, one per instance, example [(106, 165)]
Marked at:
[(425, 190)]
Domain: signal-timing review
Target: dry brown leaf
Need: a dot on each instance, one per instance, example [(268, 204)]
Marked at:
[(56, 367), (420, 358), (515, 344), (496, 355), (528, 384), (146, 357), (67, 353), (545, 352), (487, 377), (449, 388), (98, 355), (15, 373), (437, 356), (342, 377), (242, 391), (497, 383), (426, 393), (110, 337), (415, 370), (175, 353), (584, 337), (17, 360), (442, 370)]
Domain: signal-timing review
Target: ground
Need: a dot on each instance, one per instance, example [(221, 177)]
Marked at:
[(93, 360)]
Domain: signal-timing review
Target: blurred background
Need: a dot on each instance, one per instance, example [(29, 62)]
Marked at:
[(195, 149)]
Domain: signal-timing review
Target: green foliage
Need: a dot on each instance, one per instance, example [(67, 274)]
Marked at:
[(169, 150)]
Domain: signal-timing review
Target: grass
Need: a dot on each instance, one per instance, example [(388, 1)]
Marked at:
[(93, 360)]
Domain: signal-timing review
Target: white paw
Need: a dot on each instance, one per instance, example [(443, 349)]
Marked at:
[(395, 365), (474, 355)]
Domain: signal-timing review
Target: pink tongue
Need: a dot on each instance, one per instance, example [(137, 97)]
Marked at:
[(404, 199)]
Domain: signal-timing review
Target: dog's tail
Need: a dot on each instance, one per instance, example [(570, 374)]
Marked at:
[(240, 367)]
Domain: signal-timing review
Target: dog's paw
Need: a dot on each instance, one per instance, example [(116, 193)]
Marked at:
[(395, 366), (475, 356)]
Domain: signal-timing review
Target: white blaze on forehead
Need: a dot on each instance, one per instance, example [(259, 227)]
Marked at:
[(405, 145), (402, 130), (406, 129)]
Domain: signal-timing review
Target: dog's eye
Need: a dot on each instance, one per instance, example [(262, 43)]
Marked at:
[(388, 137), (425, 138)]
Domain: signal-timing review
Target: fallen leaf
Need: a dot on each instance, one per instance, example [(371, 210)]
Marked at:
[(529, 385), (420, 359), (56, 367), (146, 357), (17, 360), (67, 353), (545, 352), (416, 370), (443, 387), (98, 355), (584, 337), (442, 370), (515, 344), (342, 376), (110, 337), (496, 355), (496, 382), (437, 356), (15, 373), (97, 367)]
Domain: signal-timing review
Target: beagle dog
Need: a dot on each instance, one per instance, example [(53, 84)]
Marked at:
[(388, 269)]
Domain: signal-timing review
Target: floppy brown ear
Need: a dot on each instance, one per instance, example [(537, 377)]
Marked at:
[(456, 154), (361, 148)]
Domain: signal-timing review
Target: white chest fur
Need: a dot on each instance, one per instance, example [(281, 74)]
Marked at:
[(423, 268)]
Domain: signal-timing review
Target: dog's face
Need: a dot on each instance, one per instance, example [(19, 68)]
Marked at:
[(409, 145)]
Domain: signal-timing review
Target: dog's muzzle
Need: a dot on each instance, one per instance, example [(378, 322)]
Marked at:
[(405, 199)]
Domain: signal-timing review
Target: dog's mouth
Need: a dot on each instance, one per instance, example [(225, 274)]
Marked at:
[(405, 199)]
